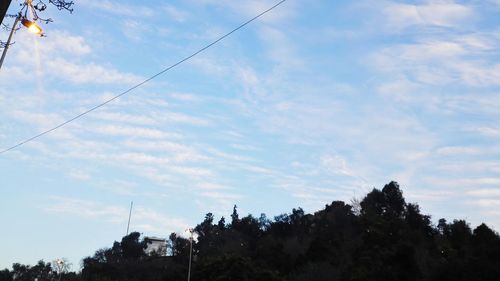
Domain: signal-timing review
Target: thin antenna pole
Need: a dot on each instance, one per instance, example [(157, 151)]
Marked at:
[(129, 215)]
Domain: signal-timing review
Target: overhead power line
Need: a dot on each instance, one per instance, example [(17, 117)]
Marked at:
[(143, 82)]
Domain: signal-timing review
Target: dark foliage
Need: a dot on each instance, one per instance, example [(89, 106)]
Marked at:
[(384, 238)]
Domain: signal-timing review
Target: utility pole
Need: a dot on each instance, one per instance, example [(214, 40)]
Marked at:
[(4, 6), (13, 29)]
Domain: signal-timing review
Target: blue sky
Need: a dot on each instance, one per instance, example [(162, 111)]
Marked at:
[(317, 101)]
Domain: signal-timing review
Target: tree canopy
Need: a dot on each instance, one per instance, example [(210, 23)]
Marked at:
[(383, 238)]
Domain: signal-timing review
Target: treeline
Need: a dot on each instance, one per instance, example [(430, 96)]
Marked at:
[(382, 237)]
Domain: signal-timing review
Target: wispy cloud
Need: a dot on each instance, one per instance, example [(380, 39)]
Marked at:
[(489, 203), (438, 62), (432, 13), (335, 164), (493, 192), (139, 132), (80, 175), (87, 209), (125, 118), (470, 183), (143, 219), (63, 56), (120, 8), (175, 117), (175, 13), (89, 73), (151, 221), (489, 132), (281, 109), (250, 8)]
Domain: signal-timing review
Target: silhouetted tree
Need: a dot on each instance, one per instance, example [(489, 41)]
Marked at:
[(386, 240), (234, 216)]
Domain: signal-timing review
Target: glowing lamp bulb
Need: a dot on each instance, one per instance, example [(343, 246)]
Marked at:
[(32, 26)]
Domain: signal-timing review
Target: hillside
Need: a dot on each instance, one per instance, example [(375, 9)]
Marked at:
[(382, 237)]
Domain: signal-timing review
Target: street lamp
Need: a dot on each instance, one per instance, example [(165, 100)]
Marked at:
[(60, 265), (32, 26), (29, 24), (190, 230)]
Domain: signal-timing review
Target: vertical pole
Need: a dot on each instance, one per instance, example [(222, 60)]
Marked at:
[(4, 53), (129, 215), (190, 254), (3, 9), (60, 264)]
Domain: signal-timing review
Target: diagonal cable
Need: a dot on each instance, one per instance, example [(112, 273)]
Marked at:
[(143, 82)]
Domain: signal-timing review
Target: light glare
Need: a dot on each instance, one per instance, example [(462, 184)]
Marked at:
[(32, 26)]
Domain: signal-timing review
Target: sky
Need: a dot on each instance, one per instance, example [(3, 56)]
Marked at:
[(314, 102)]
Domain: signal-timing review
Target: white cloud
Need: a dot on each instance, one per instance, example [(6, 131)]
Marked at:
[(250, 8), (431, 50), (143, 219), (42, 120), (433, 13), (245, 147), (429, 195), (175, 117), (191, 171), (280, 50), (80, 175), (489, 132), (211, 186), (335, 164), (227, 156), (175, 13), (125, 118), (156, 176), (185, 97), (63, 56), (458, 150), (139, 132), (178, 152), (258, 169), (160, 146), (221, 201), (151, 221), (209, 65), (435, 61), (87, 209), (412, 155), (478, 73), (472, 166), (133, 29), (139, 158), (491, 192), (248, 77), (89, 73), (119, 187), (471, 183), (220, 195), (62, 42), (120, 8), (488, 203), (399, 89)]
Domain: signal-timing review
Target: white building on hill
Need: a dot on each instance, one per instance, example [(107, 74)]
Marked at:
[(156, 246)]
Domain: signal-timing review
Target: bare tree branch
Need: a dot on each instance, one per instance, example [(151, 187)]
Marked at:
[(63, 5)]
